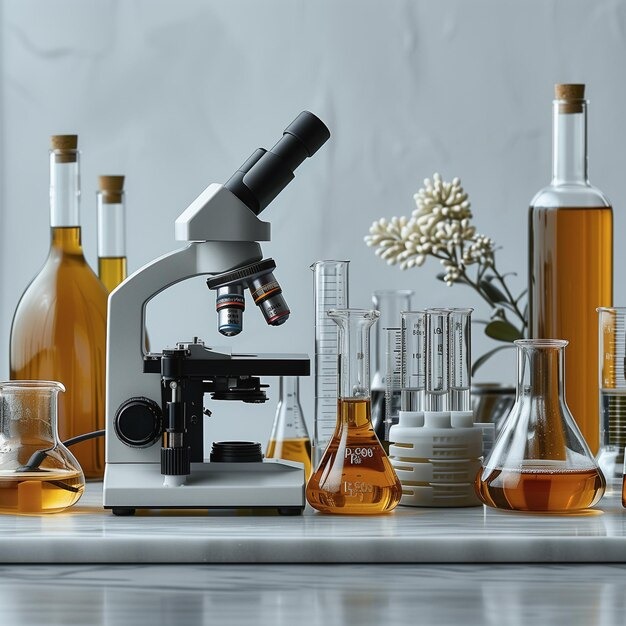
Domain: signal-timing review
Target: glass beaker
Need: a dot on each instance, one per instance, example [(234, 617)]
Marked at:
[(289, 438), (390, 303), (38, 474), (355, 475), (540, 462), (612, 368), (330, 284)]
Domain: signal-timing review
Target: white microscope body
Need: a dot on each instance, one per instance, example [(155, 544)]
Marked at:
[(154, 409)]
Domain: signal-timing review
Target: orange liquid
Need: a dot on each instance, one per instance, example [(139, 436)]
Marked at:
[(624, 492), (541, 490), (571, 274), (111, 271), (58, 333), (355, 476), (45, 491), (292, 450)]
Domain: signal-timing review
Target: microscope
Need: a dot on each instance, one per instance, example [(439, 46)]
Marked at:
[(155, 401)]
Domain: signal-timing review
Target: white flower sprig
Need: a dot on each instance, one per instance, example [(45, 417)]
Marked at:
[(441, 227)]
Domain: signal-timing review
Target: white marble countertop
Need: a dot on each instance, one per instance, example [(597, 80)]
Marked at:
[(89, 534)]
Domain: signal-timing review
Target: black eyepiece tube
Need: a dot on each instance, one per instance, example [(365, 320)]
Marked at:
[(265, 174)]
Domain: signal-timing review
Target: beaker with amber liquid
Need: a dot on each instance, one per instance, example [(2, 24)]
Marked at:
[(38, 474), (354, 475), (540, 462)]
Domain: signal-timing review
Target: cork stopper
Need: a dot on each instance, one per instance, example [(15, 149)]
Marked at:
[(65, 148), (571, 97), (111, 188)]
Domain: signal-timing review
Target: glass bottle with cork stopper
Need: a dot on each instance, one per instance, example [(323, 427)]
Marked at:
[(59, 327), (111, 231), (571, 258)]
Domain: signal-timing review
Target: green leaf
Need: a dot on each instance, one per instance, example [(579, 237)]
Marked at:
[(485, 357), (492, 292), (502, 331)]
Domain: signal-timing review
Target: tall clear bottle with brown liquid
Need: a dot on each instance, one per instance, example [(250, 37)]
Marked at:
[(111, 231), (571, 258), (59, 327)]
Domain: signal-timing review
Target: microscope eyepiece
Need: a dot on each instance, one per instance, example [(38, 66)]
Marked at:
[(266, 173)]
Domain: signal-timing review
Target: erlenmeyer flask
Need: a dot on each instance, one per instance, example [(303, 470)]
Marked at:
[(289, 438), (540, 461), (354, 475), (38, 474)]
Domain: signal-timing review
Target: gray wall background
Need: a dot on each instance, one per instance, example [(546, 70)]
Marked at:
[(176, 94)]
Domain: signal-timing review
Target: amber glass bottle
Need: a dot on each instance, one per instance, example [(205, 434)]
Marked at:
[(571, 259), (59, 327), (111, 231)]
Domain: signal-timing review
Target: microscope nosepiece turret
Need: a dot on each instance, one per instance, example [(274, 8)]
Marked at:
[(266, 292)]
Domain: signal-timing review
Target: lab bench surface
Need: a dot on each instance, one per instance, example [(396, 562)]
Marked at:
[(88, 534)]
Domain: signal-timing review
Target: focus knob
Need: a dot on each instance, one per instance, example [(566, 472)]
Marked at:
[(138, 422)]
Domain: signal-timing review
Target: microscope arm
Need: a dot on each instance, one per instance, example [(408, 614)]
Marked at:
[(127, 310)]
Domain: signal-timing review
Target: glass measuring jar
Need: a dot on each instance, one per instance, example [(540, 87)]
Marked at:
[(330, 289), (540, 461), (354, 475), (38, 474), (612, 383)]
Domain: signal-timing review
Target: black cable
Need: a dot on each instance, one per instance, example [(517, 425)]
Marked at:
[(84, 437), (37, 458)]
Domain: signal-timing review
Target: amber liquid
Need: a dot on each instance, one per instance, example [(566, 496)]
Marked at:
[(111, 271), (624, 492), (292, 450), (541, 489), (58, 333), (571, 274), (354, 476), (44, 491)]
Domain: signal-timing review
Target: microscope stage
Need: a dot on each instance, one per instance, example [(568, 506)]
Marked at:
[(269, 364)]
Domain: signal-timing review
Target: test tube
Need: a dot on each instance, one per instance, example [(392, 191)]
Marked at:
[(460, 359), (393, 380), (437, 364), (413, 360)]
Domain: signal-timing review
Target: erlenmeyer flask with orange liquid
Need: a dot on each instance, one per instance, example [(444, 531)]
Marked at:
[(540, 461), (289, 439), (354, 475)]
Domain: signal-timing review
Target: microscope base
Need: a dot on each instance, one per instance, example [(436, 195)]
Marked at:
[(272, 483)]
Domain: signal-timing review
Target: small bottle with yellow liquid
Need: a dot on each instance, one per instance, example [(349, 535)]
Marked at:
[(289, 438), (111, 231), (354, 475)]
